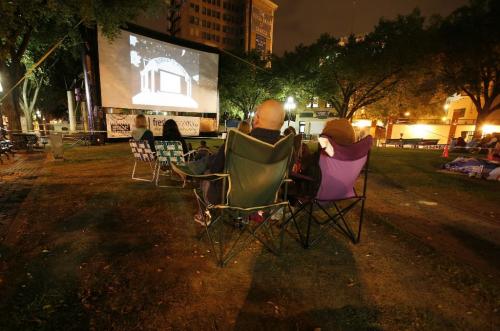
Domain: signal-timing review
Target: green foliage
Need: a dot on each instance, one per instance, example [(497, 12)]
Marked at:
[(30, 27), (296, 74), (356, 72), (468, 53), (244, 82)]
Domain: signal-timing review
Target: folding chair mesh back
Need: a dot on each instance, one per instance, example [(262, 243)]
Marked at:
[(142, 151), (340, 172), (169, 151), (143, 154), (256, 169)]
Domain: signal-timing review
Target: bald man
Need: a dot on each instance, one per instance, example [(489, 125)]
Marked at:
[(270, 116), (267, 124)]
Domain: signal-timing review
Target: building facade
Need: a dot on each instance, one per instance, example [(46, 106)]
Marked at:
[(225, 24)]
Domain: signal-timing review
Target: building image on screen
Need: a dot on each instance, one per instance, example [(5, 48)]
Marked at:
[(138, 72), (167, 75)]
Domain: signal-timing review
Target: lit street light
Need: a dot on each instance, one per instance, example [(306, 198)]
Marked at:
[(289, 106)]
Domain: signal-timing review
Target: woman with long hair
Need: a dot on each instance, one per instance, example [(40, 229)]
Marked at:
[(171, 132), (141, 131)]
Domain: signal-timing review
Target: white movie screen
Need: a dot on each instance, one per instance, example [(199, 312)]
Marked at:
[(137, 72)]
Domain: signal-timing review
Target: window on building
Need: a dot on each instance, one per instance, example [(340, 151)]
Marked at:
[(260, 43)]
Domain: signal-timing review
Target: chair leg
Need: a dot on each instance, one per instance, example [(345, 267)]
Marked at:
[(361, 217), (309, 220), (133, 170), (157, 179), (221, 241)]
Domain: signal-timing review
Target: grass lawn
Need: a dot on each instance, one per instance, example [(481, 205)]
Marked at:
[(92, 249)]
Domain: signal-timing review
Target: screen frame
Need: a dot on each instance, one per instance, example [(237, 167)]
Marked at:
[(137, 29)]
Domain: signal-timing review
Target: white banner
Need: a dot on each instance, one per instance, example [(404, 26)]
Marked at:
[(121, 126)]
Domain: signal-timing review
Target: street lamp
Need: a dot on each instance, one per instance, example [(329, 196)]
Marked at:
[(289, 106), (407, 114)]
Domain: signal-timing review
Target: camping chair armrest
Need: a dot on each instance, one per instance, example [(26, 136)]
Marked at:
[(296, 176), (188, 156), (184, 170)]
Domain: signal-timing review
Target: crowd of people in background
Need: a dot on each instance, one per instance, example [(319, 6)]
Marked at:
[(489, 144), (266, 126)]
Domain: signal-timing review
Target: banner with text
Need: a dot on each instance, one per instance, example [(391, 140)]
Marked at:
[(121, 126)]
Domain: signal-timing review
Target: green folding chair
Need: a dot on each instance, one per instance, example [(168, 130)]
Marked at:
[(255, 174), (166, 153)]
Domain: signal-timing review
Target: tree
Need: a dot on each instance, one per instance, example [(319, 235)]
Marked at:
[(468, 55), (353, 76), (244, 81), (39, 24), (296, 74), (361, 71)]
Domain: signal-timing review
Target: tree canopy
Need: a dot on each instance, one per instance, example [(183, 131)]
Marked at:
[(244, 83), (35, 25), (468, 54)]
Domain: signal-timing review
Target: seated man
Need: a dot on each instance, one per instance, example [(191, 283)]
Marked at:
[(267, 123)]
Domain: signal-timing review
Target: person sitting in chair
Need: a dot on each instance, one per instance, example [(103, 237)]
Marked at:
[(141, 131), (202, 151), (171, 132), (267, 124), (244, 127)]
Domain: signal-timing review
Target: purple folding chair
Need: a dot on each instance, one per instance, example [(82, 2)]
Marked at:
[(339, 174)]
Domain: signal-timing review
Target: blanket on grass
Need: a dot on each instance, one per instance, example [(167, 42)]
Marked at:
[(474, 167)]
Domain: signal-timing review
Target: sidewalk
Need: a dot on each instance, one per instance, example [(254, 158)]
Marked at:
[(17, 177)]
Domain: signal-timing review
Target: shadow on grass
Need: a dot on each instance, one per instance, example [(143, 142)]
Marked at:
[(51, 285), (306, 289), (483, 248)]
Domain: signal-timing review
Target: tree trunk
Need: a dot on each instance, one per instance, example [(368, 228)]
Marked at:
[(10, 104), (11, 110), (482, 114)]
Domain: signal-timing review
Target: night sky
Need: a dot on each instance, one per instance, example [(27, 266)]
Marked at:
[(302, 21)]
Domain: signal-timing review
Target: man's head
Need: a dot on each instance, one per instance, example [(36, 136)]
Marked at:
[(269, 115)]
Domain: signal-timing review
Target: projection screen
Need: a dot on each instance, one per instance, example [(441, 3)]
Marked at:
[(138, 72)]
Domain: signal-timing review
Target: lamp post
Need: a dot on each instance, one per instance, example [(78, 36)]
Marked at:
[(289, 106)]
